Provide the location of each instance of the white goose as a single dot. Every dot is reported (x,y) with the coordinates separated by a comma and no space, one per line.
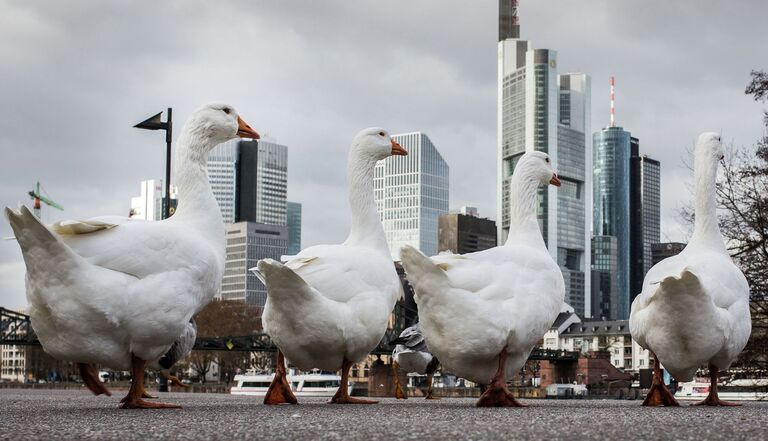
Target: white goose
(328,306)
(506,297)
(118,292)
(694,307)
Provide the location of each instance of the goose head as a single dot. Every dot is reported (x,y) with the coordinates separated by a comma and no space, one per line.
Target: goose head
(709,147)
(537,166)
(214,124)
(376,144)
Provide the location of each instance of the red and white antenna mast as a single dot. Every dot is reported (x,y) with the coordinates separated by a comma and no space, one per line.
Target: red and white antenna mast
(613,103)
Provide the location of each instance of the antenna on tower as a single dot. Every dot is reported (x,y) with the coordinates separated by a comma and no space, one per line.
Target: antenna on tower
(613,102)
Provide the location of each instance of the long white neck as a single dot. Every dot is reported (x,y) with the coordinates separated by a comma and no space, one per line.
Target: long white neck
(706,231)
(197,205)
(523,226)
(366,227)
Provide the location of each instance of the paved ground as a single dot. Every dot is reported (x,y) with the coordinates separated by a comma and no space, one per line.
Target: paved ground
(39,414)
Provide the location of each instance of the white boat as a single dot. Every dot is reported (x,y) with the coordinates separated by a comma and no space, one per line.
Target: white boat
(313,384)
(737,390)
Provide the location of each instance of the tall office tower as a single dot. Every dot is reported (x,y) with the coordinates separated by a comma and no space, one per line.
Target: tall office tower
(645,209)
(604,295)
(272,182)
(150,203)
(574,196)
(247,242)
(531,97)
(293,214)
(611,147)
(250,180)
(411,193)
(611,203)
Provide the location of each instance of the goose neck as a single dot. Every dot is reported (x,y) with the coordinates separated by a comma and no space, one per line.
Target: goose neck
(523,223)
(366,228)
(195,198)
(706,230)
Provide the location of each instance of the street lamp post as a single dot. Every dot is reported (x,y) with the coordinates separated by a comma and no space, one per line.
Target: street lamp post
(155,123)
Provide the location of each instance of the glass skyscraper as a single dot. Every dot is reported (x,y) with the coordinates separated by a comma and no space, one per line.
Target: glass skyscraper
(541,110)
(645,209)
(610,168)
(293,210)
(250,180)
(411,193)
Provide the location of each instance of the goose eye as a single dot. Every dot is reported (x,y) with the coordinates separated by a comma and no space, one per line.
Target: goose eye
(226,110)
(382,134)
(547,159)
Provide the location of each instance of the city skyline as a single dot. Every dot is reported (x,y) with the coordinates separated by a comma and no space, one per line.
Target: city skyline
(93,169)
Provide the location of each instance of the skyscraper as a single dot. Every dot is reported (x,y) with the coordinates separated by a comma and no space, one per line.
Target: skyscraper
(538,109)
(627,207)
(645,209)
(247,242)
(611,205)
(293,210)
(411,193)
(249,180)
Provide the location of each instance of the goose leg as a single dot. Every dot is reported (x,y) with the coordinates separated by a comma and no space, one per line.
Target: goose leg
(173,379)
(712,399)
(429,396)
(658,394)
(134,398)
(497,394)
(279,391)
(399,394)
(342,395)
(91,379)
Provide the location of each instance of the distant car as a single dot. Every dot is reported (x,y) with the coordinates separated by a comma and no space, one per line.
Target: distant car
(186,381)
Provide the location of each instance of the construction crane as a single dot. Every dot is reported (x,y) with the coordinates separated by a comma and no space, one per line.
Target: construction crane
(38,197)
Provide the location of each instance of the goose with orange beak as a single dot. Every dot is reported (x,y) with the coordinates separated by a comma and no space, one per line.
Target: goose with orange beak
(119,292)
(329,306)
(507,296)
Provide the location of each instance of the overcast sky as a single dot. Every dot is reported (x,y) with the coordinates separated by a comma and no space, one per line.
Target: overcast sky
(75,77)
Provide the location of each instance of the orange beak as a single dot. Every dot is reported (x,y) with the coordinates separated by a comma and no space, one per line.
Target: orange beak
(397,149)
(245,131)
(555,181)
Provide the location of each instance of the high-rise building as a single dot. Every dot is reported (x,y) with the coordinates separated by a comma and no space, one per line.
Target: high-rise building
(250,180)
(247,242)
(462,233)
(411,193)
(149,204)
(605,294)
(293,214)
(627,199)
(645,211)
(540,110)
(610,170)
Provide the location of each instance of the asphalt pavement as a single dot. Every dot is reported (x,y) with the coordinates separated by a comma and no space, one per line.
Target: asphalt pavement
(61,414)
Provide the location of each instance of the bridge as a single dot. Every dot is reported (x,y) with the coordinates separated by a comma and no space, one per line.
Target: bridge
(16,329)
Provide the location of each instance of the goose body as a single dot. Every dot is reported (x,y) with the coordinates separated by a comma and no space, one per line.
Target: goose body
(329,305)
(482,313)
(694,307)
(113,290)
